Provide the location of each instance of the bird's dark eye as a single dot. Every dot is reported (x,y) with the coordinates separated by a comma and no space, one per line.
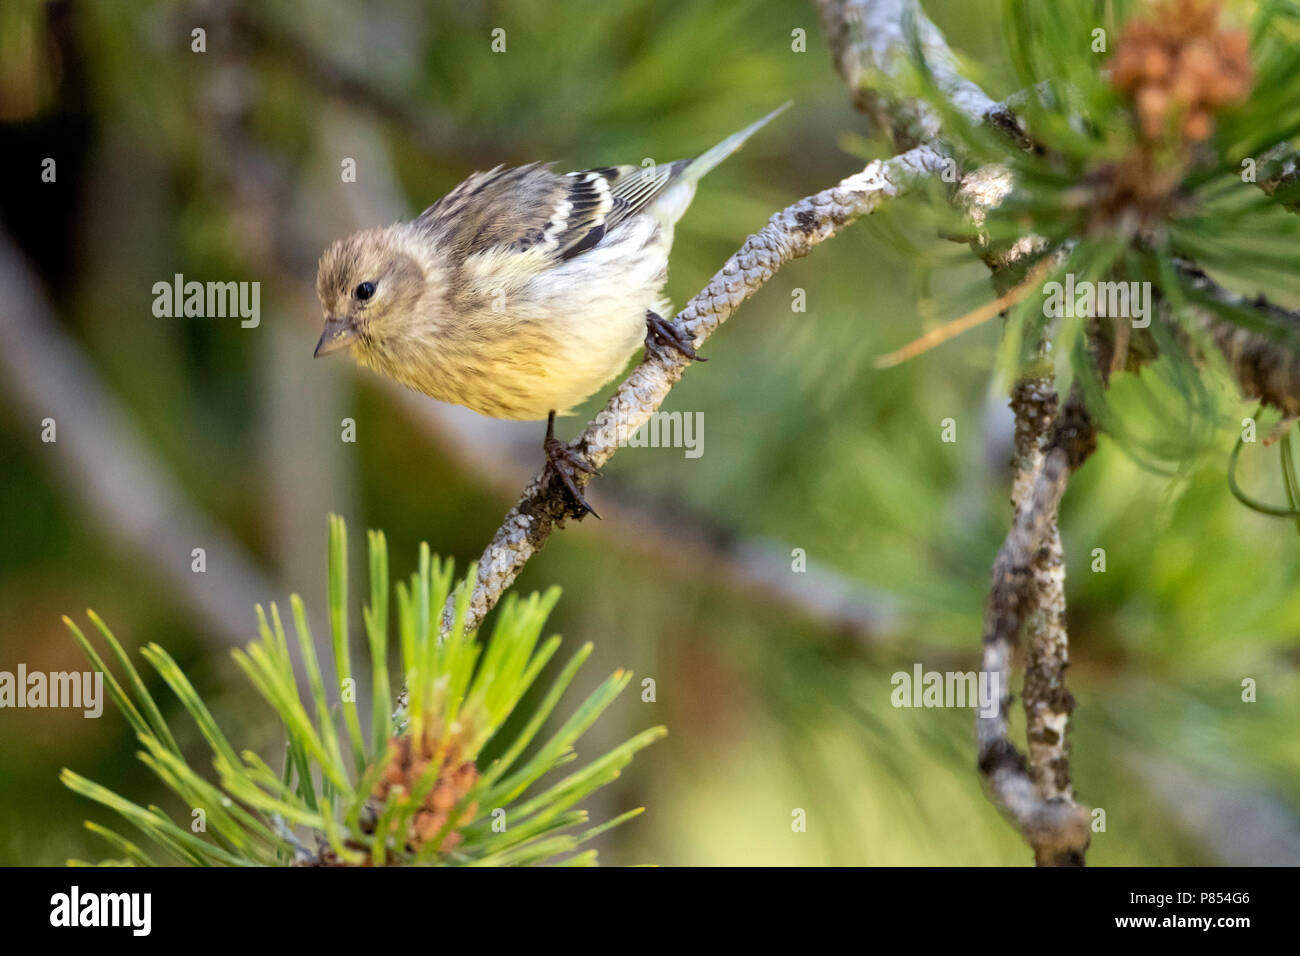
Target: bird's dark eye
(365,291)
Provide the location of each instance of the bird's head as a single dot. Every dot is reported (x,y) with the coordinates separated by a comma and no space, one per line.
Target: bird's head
(372,286)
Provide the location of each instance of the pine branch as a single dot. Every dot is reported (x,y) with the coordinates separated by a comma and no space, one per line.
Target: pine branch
(870,42)
(1028,574)
(1028,592)
(789,234)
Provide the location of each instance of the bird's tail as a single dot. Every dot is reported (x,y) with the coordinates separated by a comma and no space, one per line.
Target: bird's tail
(680,177)
(701,164)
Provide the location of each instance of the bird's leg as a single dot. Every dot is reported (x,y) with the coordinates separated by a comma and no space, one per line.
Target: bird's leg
(564,461)
(661,333)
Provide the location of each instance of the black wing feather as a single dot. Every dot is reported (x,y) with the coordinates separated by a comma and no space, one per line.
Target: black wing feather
(528,206)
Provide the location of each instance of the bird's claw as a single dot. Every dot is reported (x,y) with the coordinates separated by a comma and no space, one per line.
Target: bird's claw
(661,334)
(564,461)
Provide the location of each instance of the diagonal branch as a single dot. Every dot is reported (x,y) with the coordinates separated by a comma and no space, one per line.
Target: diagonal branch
(789,234)
(1028,589)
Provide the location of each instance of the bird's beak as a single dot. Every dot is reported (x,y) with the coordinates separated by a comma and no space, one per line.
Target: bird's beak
(339,334)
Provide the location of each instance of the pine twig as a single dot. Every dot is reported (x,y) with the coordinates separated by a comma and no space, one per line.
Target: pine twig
(972,319)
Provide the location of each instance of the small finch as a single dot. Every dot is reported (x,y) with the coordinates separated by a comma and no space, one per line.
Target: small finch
(522,291)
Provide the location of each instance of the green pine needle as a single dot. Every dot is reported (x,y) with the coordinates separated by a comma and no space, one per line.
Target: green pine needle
(420,798)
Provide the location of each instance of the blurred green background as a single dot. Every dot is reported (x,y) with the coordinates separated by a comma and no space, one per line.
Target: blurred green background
(775,685)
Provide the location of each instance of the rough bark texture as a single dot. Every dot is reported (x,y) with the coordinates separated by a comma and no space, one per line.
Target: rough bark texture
(1047,702)
(1027,592)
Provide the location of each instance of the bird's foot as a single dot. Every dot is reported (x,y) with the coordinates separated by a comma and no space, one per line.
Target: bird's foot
(565,462)
(661,334)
